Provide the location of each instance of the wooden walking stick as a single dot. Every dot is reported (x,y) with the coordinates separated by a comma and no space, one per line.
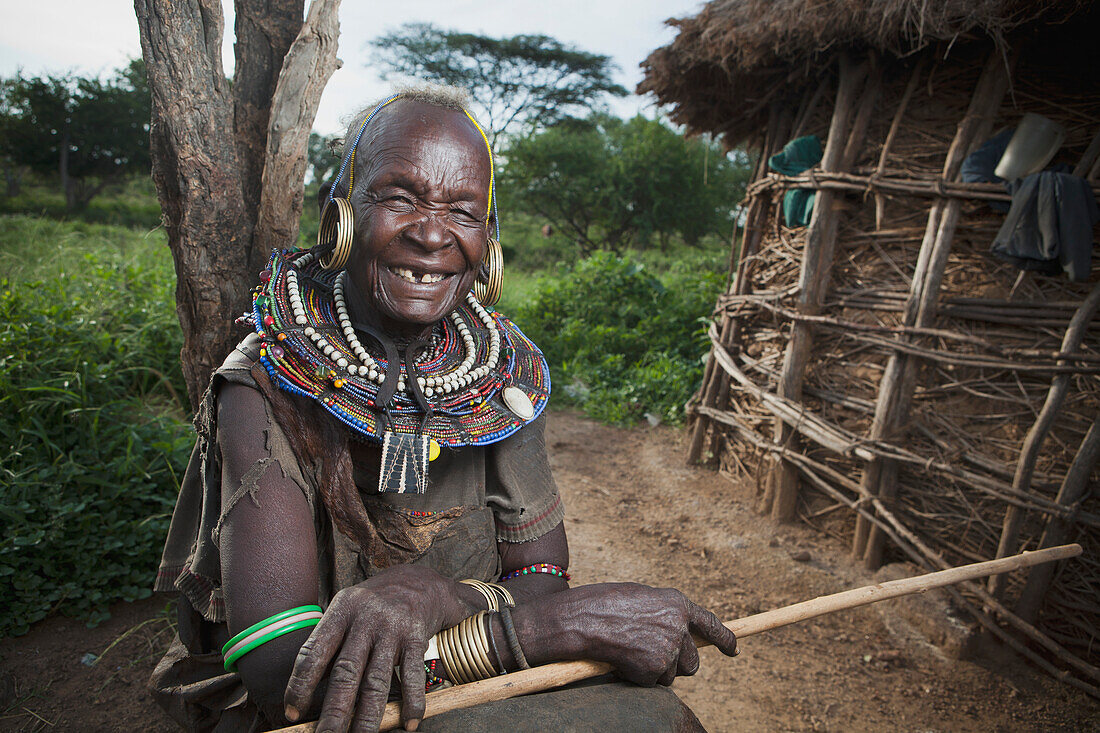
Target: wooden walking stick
(554,675)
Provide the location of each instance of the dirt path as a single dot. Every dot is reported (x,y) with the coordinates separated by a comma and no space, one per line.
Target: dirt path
(636,513)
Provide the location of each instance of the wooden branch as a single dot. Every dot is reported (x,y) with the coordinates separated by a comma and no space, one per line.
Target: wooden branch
(1074,489)
(867,102)
(895,125)
(752,233)
(845,443)
(305,72)
(807,113)
(779,125)
(1033,442)
(899,379)
(1091,156)
(817,262)
(563,673)
(264,30)
(852,330)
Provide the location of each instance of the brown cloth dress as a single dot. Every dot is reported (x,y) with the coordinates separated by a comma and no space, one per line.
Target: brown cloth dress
(476,496)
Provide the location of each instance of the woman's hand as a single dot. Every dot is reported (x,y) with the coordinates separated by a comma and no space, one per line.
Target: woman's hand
(644,632)
(368,629)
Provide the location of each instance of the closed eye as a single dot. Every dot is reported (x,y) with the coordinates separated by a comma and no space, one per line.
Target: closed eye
(465,215)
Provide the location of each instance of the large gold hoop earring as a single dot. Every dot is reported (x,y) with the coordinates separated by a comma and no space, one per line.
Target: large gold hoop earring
(487,289)
(338,225)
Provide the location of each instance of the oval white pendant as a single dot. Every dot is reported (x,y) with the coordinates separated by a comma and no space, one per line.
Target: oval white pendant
(518,402)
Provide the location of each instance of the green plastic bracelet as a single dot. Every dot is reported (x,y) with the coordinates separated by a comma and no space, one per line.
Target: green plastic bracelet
(230,663)
(270,620)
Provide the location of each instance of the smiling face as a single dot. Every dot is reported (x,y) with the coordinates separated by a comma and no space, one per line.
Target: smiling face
(421,208)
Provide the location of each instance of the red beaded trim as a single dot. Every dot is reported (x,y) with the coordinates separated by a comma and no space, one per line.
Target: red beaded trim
(541,567)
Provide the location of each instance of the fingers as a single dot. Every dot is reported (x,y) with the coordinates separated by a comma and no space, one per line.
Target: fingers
(688,662)
(412,686)
(343,685)
(311,664)
(667,676)
(709,627)
(374,689)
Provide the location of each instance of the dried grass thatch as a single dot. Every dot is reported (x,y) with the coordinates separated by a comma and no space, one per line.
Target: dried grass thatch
(748,53)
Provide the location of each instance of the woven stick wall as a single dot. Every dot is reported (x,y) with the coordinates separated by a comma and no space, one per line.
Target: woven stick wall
(878,374)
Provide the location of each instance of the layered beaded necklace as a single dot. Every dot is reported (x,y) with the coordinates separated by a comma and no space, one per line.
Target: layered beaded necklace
(477,381)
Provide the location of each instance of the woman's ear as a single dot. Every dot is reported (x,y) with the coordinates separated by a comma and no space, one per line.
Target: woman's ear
(322,195)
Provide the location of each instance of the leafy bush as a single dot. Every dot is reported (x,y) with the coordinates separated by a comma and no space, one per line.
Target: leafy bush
(130,203)
(607,183)
(91,420)
(621,342)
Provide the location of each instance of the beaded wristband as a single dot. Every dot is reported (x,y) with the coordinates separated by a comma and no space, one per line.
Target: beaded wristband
(264,631)
(541,567)
(513,640)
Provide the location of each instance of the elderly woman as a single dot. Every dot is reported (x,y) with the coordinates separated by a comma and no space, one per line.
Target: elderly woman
(370,489)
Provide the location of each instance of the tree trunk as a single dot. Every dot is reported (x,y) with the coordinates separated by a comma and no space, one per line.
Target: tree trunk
(264,29)
(209,146)
(14,179)
(63,171)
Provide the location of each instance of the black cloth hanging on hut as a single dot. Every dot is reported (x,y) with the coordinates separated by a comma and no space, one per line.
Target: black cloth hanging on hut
(1049,226)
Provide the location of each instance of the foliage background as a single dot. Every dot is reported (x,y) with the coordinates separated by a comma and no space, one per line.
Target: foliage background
(91,420)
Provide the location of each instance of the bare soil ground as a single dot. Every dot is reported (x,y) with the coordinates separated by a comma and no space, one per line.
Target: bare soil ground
(637,513)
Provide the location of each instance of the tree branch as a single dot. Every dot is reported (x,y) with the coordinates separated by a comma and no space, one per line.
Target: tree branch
(309,63)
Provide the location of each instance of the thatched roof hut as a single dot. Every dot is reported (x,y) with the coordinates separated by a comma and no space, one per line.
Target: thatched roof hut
(877,359)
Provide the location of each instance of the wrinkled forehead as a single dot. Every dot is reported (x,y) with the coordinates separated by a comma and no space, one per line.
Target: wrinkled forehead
(430,138)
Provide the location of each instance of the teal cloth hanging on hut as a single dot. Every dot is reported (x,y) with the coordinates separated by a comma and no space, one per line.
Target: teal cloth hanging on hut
(797,156)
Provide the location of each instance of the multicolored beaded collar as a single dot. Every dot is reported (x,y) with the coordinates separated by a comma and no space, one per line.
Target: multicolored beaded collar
(480,377)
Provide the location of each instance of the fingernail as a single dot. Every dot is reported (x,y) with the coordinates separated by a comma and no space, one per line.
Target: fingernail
(412,724)
(291,713)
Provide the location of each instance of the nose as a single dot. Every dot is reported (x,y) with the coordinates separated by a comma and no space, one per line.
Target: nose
(430,233)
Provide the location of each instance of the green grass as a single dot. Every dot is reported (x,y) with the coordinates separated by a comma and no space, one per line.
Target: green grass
(519,287)
(93,426)
(129,204)
(34,248)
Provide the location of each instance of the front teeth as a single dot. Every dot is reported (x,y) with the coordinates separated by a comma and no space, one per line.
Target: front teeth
(408,276)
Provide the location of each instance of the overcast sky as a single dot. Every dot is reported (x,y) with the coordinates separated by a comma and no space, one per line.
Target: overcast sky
(96,36)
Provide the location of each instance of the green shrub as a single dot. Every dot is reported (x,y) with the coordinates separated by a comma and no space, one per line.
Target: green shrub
(91,421)
(131,203)
(622,343)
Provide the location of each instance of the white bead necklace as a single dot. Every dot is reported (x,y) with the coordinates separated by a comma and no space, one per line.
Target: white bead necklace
(461,377)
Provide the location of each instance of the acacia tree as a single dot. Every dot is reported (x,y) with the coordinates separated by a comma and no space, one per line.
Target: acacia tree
(610,184)
(229,158)
(324,156)
(521,81)
(91,133)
